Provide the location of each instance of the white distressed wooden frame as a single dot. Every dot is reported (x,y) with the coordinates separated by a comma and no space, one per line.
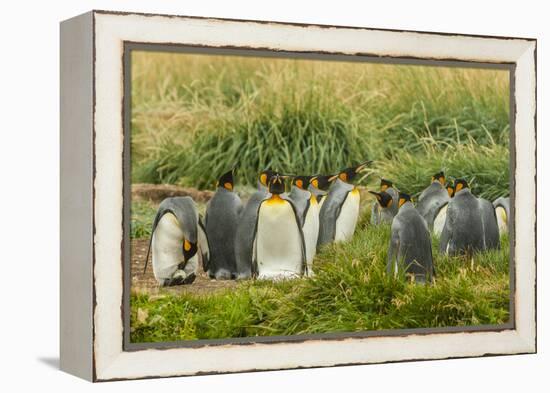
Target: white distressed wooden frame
(92,143)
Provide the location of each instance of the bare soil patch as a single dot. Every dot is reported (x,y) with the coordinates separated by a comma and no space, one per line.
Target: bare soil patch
(157,192)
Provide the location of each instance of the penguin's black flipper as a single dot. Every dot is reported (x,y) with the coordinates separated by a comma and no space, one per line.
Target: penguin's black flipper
(203,245)
(302,239)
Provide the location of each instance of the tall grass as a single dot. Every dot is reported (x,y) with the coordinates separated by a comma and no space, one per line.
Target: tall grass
(350,292)
(195,116)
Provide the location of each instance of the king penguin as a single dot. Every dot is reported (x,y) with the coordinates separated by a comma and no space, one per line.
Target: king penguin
(432,203)
(468,226)
(246,226)
(339,214)
(410,246)
(319,185)
(307,208)
(177,239)
(222,214)
(502,211)
(279,247)
(385,207)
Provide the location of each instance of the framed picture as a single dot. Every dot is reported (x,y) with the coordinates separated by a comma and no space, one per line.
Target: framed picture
(245,195)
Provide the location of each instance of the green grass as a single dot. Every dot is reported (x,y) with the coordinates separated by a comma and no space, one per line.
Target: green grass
(350,292)
(193,117)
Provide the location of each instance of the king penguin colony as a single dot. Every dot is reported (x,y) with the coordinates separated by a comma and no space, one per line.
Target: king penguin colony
(276,235)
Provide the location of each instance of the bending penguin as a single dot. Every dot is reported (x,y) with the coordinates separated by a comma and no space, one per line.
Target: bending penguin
(385,207)
(222,214)
(469,225)
(246,227)
(177,240)
(410,247)
(339,213)
(432,203)
(307,208)
(279,247)
(502,211)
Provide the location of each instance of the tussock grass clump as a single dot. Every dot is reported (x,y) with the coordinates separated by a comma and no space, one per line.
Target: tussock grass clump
(350,292)
(195,116)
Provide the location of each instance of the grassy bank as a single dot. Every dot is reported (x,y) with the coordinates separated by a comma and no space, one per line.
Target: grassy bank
(350,292)
(193,117)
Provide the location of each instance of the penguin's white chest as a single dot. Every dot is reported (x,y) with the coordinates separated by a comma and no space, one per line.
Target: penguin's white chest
(167,247)
(347,220)
(278,241)
(311,232)
(502,220)
(439,221)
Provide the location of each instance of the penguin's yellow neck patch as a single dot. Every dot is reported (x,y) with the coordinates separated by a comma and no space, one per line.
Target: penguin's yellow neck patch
(275,199)
(355,191)
(186,245)
(313,200)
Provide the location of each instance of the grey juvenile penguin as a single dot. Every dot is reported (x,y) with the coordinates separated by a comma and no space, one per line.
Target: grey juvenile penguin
(222,215)
(177,240)
(340,211)
(468,226)
(433,201)
(246,227)
(410,244)
(502,211)
(384,209)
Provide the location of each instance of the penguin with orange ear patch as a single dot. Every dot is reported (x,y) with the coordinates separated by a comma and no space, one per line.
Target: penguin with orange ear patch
(339,214)
(319,185)
(222,215)
(246,227)
(279,247)
(177,241)
(432,203)
(410,248)
(385,207)
(307,208)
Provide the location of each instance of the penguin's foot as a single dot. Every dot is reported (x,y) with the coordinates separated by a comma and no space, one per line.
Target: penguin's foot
(180,278)
(224,274)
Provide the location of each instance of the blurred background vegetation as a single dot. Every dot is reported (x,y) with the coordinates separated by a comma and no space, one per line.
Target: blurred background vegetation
(194,116)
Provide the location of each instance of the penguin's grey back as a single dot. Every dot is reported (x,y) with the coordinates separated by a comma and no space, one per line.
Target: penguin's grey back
(222,214)
(431,200)
(331,210)
(463,229)
(490,225)
(185,210)
(410,245)
(246,232)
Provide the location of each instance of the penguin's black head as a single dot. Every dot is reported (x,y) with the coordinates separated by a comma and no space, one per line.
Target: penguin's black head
(385,184)
(226,181)
(322,182)
(265,176)
(450,189)
(189,250)
(302,182)
(440,177)
(404,198)
(276,185)
(384,199)
(459,185)
(347,175)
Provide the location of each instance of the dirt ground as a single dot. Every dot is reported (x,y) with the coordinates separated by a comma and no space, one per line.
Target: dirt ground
(146,283)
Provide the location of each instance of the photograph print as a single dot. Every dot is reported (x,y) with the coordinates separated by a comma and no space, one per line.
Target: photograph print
(291,196)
